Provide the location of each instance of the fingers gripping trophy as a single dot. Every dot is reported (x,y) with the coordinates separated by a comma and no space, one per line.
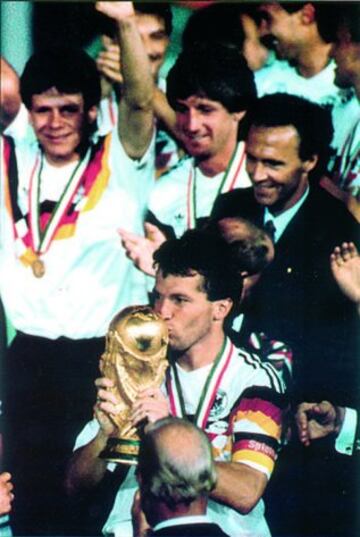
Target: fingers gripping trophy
(134,359)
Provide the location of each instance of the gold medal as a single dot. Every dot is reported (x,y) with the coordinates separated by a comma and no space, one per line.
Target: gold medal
(38,268)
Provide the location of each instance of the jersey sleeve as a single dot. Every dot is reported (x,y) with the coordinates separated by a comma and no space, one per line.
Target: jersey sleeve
(257,424)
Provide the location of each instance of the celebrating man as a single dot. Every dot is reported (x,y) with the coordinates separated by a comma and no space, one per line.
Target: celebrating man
(230,394)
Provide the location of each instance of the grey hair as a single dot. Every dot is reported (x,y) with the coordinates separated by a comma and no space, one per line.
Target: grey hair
(175,462)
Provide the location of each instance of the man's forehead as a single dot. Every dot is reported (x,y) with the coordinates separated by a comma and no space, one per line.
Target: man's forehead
(274,133)
(176,282)
(53,95)
(152,21)
(198,99)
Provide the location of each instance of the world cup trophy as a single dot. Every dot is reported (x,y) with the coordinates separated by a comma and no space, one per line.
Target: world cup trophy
(134,359)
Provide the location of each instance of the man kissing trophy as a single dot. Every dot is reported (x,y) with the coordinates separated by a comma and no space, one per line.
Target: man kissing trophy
(134,359)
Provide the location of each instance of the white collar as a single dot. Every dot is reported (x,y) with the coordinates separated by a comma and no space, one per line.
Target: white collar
(179,521)
(282,220)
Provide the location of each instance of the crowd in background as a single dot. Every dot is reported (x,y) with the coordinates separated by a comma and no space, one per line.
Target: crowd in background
(225,194)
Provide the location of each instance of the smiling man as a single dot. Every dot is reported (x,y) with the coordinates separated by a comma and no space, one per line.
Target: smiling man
(302,33)
(210,90)
(287,151)
(296,299)
(63,272)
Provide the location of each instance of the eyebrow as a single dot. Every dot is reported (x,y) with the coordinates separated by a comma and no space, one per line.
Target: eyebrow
(265,160)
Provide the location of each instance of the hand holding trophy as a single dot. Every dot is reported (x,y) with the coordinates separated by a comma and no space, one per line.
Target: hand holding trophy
(135,360)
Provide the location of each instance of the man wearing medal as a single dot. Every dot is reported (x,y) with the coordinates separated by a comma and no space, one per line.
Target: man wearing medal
(210,89)
(64,274)
(230,394)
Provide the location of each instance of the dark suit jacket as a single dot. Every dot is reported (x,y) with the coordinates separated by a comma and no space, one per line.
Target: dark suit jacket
(297,299)
(192,530)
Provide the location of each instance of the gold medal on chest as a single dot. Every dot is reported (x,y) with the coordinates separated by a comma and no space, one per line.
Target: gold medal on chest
(38,268)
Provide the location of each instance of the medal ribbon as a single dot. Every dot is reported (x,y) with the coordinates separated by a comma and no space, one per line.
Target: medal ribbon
(228,183)
(41,240)
(208,393)
(92,173)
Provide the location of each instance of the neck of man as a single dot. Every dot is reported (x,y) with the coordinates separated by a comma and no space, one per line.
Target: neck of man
(161,512)
(202,353)
(212,165)
(313,59)
(60,162)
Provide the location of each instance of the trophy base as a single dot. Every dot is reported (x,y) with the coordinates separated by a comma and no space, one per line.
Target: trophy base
(121,451)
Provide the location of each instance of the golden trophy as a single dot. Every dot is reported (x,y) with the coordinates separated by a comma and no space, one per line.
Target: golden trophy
(134,359)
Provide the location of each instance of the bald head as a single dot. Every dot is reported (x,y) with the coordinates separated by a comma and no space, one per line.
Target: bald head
(175,463)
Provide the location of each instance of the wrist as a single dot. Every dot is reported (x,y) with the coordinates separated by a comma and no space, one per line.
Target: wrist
(339,419)
(102,439)
(126,22)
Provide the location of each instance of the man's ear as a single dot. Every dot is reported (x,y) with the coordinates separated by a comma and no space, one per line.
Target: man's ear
(238,116)
(92,114)
(308,13)
(310,163)
(222,308)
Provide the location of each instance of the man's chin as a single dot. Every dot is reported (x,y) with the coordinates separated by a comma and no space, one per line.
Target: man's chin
(263,199)
(196,149)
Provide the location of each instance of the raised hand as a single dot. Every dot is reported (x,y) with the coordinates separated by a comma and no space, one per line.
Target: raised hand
(317,420)
(116,10)
(345,266)
(108,60)
(6,495)
(141,249)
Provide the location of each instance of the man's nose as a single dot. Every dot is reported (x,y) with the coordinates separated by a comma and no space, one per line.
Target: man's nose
(163,308)
(257,172)
(192,120)
(55,119)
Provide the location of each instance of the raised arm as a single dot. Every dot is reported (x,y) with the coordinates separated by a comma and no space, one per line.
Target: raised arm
(109,65)
(10,99)
(165,113)
(136,116)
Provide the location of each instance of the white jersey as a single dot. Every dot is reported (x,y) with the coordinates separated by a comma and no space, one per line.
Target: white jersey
(184,194)
(241,415)
(88,277)
(345,166)
(281,77)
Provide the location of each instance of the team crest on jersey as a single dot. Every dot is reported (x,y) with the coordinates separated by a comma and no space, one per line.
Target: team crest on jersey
(219,404)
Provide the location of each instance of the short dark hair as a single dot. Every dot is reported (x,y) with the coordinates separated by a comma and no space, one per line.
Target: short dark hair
(311,121)
(69,70)
(349,20)
(217,23)
(159,9)
(217,72)
(207,254)
(325,16)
